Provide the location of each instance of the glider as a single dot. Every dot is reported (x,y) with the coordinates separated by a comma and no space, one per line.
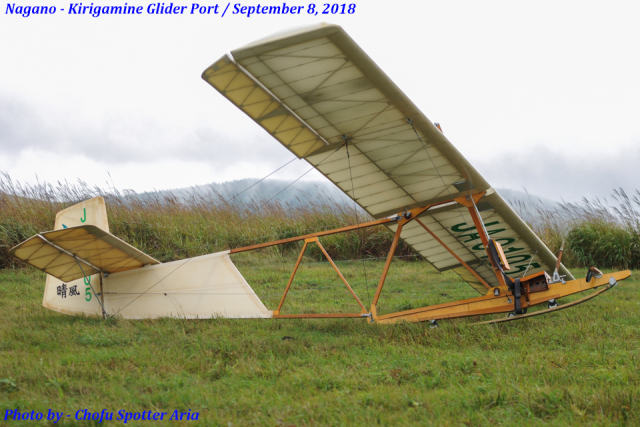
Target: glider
(319,94)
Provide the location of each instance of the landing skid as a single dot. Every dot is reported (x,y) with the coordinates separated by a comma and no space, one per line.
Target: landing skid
(493,304)
(549,310)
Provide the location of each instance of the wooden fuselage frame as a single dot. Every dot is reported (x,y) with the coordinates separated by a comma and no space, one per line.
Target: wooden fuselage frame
(498,299)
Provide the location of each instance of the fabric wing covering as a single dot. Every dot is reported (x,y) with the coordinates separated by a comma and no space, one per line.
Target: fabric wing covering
(94,249)
(315,90)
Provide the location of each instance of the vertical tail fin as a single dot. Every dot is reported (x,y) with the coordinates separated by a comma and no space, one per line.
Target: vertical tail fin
(76,297)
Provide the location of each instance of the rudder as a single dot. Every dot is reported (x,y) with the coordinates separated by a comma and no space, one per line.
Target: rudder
(76,297)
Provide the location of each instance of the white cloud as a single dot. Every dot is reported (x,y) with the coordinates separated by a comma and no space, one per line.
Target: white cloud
(518,88)
(555,175)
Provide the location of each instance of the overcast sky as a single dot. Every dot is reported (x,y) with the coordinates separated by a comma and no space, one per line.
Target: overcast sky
(540,95)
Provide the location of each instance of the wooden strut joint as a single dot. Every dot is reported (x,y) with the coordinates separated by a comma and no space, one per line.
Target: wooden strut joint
(471,270)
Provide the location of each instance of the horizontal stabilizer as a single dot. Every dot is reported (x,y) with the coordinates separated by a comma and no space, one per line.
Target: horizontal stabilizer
(76,252)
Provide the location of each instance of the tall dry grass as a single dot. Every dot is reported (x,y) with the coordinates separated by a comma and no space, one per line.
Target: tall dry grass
(596,233)
(169,228)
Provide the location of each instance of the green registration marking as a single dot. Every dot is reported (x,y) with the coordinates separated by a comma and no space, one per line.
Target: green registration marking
(87,290)
(85,216)
(459,227)
(520,259)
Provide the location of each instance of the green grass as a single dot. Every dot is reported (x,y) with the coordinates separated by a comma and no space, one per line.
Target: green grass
(318,289)
(576,367)
(602,243)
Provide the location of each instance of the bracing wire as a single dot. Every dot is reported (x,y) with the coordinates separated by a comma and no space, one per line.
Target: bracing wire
(256,239)
(353,195)
(152,286)
(279,192)
(424,291)
(300,177)
(90,285)
(529,265)
(246,189)
(256,211)
(258,182)
(294,181)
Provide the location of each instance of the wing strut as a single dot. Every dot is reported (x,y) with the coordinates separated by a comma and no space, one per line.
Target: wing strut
(471,270)
(489,244)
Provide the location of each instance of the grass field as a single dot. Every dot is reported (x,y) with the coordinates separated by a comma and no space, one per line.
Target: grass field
(576,367)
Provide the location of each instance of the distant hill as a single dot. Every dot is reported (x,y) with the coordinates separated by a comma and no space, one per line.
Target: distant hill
(249,189)
(515,197)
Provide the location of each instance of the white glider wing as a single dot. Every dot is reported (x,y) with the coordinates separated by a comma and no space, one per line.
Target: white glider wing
(319,94)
